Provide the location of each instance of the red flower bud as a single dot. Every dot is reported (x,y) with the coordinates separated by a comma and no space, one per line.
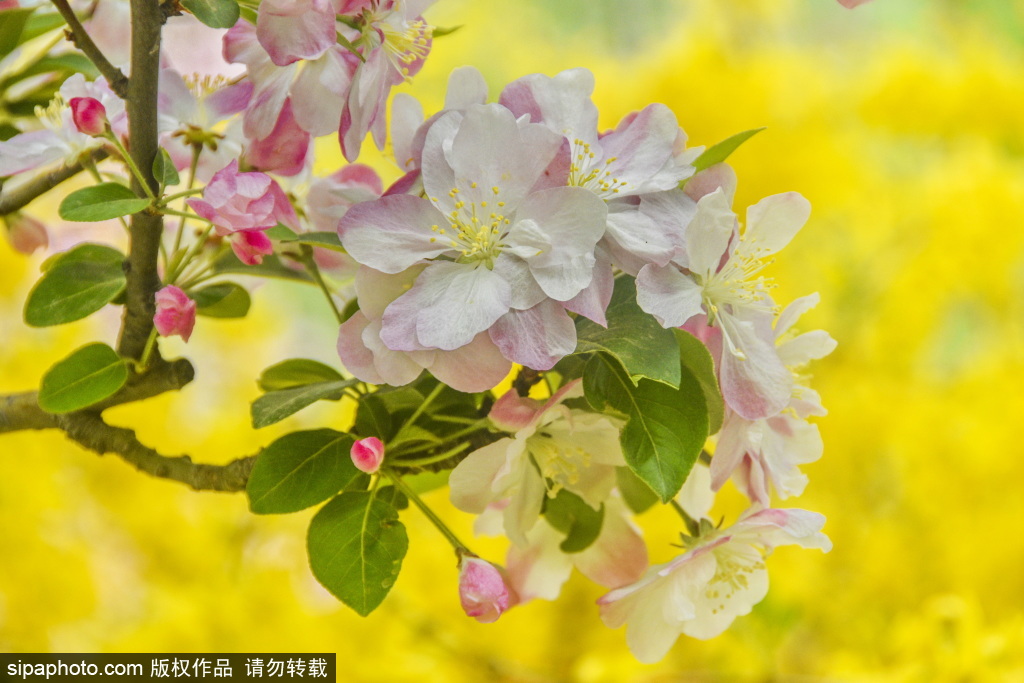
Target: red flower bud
(89,115)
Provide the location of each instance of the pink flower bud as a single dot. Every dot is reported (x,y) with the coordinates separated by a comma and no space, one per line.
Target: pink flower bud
(89,115)
(175,313)
(250,246)
(26,234)
(482,589)
(367,454)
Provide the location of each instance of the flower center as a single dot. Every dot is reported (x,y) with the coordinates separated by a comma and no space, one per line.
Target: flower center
(559,461)
(731,575)
(52,115)
(586,172)
(402,44)
(475,229)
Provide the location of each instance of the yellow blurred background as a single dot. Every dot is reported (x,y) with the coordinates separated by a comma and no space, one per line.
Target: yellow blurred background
(901,121)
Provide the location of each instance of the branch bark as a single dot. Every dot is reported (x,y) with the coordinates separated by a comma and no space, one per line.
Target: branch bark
(89,430)
(16,199)
(117,80)
(146,229)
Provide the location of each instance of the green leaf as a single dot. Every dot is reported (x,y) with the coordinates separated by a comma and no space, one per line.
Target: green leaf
(327,240)
(356,546)
(424,482)
(716,154)
(300,470)
(414,434)
(374,419)
(38,24)
(12,22)
(248,13)
(697,360)
(100,202)
(222,300)
(164,170)
(277,405)
(69,63)
(271,267)
(86,253)
(644,347)
(281,232)
(75,285)
(213,13)
(570,514)
(87,376)
(296,372)
(666,427)
(638,495)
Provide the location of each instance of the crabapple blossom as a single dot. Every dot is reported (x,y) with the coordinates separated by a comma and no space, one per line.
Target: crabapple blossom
(511,251)
(714,275)
(482,590)
(175,313)
(394,41)
(477,366)
(764,454)
(368,454)
(721,577)
(243,205)
(59,139)
(538,570)
(552,447)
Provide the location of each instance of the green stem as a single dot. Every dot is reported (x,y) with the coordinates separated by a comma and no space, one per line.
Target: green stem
(131,165)
(174,212)
(148,350)
(196,248)
(178,195)
(196,151)
(430,460)
(691,524)
(452,437)
(314,271)
(434,519)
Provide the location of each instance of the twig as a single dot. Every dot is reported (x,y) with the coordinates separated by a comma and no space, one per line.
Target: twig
(117,80)
(89,430)
(16,199)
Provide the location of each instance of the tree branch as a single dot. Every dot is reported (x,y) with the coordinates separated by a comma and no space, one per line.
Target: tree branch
(89,430)
(117,80)
(16,199)
(21,411)
(146,229)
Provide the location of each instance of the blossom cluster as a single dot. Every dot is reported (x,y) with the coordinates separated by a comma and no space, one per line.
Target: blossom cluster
(511,227)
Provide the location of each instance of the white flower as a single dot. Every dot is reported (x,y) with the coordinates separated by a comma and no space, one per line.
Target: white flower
(701,592)
(553,447)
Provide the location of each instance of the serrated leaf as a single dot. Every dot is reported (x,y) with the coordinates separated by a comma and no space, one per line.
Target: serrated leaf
(716,154)
(666,427)
(697,359)
(277,405)
(300,470)
(76,285)
(635,338)
(571,515)
(327,240)
(100,202)
(87,376)
(271,267)
(213,13)
(296,372)
(12,23)
(164,170)
(356,546)
(222,300)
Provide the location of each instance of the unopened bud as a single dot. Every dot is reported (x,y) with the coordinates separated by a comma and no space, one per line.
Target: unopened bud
(89,115)
(26,234)
(367,454)
(175,313)
(482,589)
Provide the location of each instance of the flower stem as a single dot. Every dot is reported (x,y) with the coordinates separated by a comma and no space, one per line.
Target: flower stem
(430,460)
(314,271)
(148,350)
(131,165)
(691,524)
(459,546)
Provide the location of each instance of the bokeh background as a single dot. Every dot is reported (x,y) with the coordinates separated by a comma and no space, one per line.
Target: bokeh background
(901,121)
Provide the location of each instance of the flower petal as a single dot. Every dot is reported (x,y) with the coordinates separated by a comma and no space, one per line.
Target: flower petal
(538,337)
(392,233)
(667,294)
